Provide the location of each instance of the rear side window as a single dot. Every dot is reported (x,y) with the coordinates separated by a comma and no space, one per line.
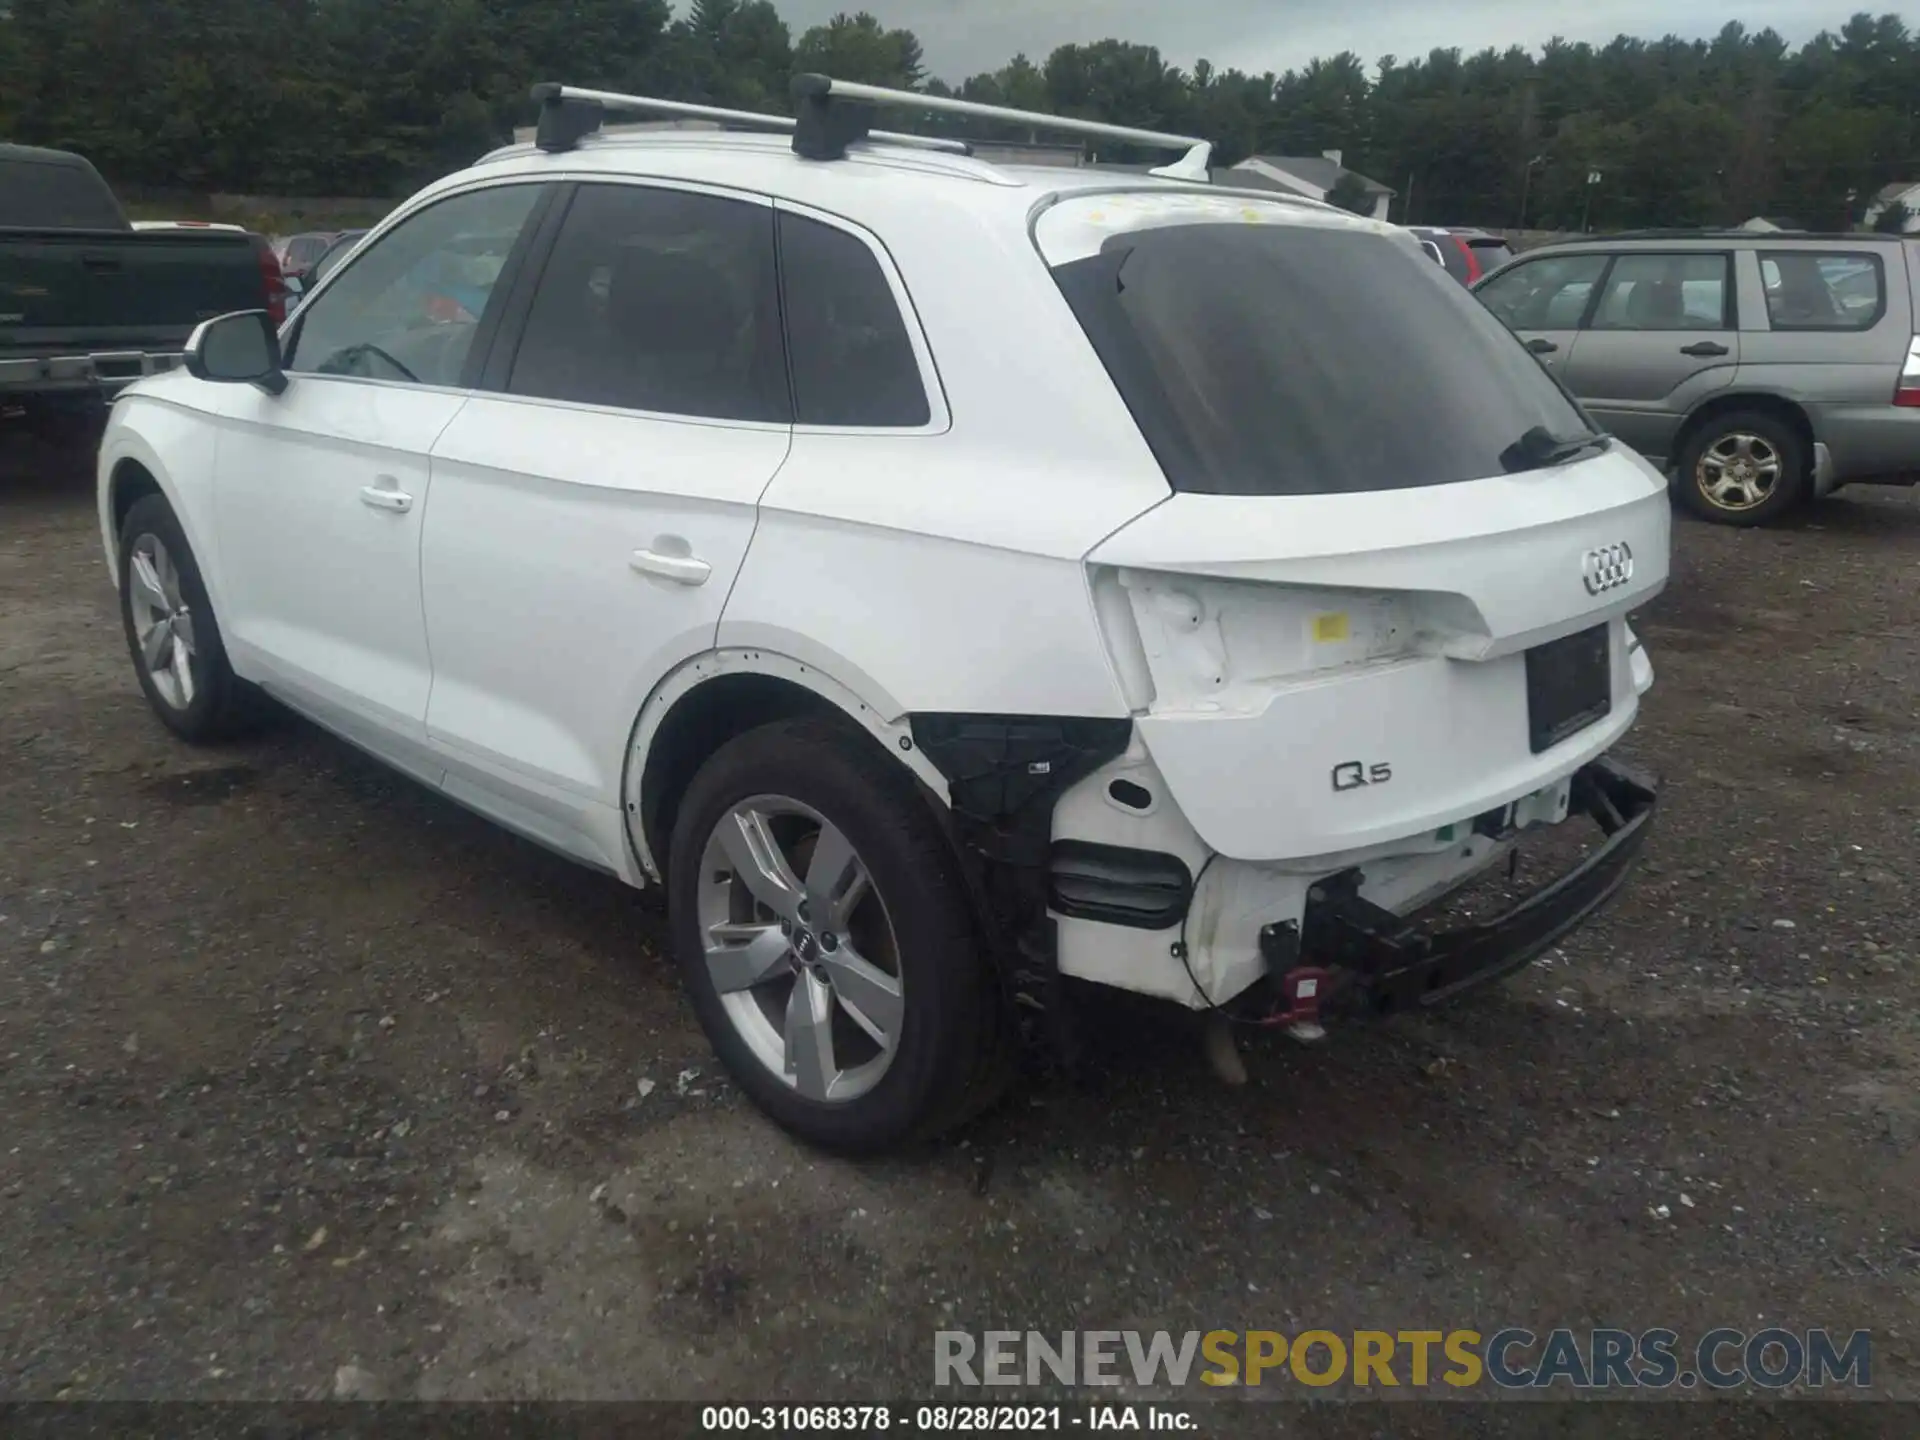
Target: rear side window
(659,300)
(1546,294)
(1291,359)
(853,364)
(60,193)
(1491,251)
(1666,292)
(1811,291)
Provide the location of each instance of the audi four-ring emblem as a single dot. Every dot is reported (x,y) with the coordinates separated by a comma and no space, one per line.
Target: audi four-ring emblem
(1607,568)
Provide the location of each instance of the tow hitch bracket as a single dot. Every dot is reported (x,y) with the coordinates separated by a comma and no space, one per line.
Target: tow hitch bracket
(1394,963)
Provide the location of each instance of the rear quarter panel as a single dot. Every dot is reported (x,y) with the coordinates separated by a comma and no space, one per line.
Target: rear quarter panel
(943,571)
(1844,380)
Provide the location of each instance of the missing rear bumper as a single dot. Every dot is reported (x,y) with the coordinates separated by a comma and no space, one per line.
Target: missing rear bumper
(1389,963)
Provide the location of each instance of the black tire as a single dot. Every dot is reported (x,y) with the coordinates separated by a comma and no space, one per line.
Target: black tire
(1787,491)
(221,706)
(953,1056)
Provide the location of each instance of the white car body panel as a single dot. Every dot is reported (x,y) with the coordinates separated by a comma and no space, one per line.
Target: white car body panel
(323,583)
(545,637)
(1382,628)
(1021,554)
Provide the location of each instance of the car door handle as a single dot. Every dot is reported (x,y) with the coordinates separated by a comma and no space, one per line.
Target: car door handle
(385,497)
(1542,347)
(681,569)
(1704,347)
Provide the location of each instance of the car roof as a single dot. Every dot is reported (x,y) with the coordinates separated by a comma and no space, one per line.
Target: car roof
(1718,239)
(765,164)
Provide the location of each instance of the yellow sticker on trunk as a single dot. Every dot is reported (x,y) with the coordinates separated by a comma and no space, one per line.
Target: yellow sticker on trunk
(1332,628)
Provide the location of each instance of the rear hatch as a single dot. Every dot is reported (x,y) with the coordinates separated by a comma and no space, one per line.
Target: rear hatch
(80,291)
(1388,592)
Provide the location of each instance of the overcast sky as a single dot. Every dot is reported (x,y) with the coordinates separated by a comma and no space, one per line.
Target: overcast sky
(963,37)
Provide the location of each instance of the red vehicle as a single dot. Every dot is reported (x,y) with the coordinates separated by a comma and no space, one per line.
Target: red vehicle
(1465,254)
(298,252)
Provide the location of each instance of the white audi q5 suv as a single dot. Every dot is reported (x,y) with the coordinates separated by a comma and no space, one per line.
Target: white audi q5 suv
(945,579)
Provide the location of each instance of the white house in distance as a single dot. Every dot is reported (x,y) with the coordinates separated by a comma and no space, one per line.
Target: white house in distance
(1309,175)
(1901,192)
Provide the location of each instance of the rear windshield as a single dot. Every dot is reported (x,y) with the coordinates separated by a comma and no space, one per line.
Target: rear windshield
(56,195)
(1491,251)
(1296,359)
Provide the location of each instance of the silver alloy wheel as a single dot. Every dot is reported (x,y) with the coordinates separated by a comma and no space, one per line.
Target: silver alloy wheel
(1738,471)
(162,621)
(801,949)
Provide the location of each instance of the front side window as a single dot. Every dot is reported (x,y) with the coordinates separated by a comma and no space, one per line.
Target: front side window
(1546,294)
(1665,292)
(1297,359)
(306,250)
(659,300)
(852,361)
(1811,291)
(406,308)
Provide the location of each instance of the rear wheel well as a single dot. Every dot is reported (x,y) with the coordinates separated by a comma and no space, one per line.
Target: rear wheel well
(704,719)
(132,482)
(1780,409)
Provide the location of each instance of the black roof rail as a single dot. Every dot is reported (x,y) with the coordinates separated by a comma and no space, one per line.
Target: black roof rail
(833,114)
(1725,232)
(569,114)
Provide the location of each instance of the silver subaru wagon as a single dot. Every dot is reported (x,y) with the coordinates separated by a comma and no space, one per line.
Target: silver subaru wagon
(1761,369)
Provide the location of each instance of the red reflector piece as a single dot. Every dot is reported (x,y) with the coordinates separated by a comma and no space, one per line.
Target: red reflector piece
(1473,260)
(1906,390)
(271,277)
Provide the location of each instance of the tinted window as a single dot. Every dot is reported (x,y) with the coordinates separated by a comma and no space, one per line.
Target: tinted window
(1492,253)
(1546,294)
(61,192)
(331,257)
(406,308)
(1295,360)
(852,361)
(1665,292)
(659,300)
(1809,291)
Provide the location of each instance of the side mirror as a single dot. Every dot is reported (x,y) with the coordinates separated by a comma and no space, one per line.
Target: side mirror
(295,285)
(238,349)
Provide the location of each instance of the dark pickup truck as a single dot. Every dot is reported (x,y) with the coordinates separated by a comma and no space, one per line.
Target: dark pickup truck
(88,303)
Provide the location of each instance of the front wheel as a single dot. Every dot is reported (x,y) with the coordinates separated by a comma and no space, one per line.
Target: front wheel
(1743,468)
(822,928)
(172,634)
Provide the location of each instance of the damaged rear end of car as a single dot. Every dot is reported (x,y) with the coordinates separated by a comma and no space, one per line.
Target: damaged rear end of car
(1376,637)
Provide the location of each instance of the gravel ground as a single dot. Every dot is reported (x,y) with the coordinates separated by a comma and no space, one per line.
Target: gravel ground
(303,1068)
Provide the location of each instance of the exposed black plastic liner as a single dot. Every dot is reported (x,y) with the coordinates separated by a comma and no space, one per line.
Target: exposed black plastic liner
(1005,774)
(1118,885)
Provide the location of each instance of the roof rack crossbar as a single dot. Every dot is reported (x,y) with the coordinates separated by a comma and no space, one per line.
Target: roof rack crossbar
(834,113)
(568,113)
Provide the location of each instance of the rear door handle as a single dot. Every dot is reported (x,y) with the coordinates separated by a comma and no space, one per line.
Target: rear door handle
(1542,347)
(1704,347)
(386,495)
(681,569)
